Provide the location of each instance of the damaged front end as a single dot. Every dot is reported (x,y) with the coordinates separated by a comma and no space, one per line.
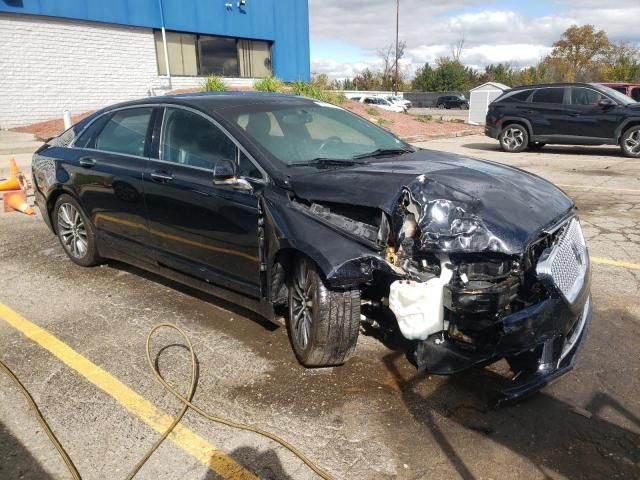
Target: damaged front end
(462,295)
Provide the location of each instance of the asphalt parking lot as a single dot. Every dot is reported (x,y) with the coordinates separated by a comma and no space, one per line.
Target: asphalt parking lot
(374,418)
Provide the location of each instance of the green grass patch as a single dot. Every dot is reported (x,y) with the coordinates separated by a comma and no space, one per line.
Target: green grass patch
(213,83)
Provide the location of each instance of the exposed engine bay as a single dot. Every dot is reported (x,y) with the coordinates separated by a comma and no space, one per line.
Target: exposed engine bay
(451,286)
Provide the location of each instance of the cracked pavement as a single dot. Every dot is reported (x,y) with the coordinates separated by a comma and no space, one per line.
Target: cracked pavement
(374,418)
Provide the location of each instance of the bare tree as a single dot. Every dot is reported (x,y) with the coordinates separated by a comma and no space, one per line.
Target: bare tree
(457,48)
(388,57)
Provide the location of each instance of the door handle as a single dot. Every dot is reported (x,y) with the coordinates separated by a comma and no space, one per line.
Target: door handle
(162,177)
(87,162)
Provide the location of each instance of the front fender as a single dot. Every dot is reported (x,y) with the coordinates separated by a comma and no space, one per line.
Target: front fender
(343,261)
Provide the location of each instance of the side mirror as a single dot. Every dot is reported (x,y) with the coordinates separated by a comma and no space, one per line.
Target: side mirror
(224,173)
(607,103)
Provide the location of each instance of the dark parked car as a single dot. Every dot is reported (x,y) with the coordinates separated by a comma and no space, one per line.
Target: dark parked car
(453,101)
(570,114)
(282,202)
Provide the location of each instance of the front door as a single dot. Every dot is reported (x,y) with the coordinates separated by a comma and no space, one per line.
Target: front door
(110,160)
(204,230)
(589,119)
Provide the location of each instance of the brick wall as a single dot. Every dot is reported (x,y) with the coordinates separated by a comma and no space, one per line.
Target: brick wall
(48,65)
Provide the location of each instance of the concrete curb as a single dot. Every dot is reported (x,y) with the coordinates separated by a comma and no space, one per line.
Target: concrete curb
(439,136)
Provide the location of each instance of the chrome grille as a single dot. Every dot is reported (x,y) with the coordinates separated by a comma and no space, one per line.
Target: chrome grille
(566,263)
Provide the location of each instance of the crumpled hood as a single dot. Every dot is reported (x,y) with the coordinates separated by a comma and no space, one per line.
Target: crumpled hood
(509,206)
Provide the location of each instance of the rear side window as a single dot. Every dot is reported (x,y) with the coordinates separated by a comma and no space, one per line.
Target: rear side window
(635,94)
(125,132)
(548,95)
(190,139)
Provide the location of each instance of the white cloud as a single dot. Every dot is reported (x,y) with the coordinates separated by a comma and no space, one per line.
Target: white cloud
(491,36)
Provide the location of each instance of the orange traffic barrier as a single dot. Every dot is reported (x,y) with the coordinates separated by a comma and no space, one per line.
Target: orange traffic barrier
(10,184)
(14,169)
(17,200)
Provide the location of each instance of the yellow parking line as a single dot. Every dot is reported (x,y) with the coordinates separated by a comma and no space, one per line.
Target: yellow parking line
(615,263)
(598,188)
(184,438)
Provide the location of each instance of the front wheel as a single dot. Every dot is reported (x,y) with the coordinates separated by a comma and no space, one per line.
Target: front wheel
(514,138)
(323,324)
(75,232)
(630,142)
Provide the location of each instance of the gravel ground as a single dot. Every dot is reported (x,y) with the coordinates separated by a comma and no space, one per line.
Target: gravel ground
(373,418)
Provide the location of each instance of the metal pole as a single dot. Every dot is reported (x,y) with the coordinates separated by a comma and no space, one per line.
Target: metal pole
(164,43)
(397,43)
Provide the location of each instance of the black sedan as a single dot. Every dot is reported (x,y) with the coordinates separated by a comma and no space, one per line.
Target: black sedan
(282,202)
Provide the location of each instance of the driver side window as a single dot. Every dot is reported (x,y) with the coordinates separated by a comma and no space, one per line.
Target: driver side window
(192,140)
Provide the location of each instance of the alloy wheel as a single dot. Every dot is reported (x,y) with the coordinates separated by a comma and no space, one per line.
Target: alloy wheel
(303,297)
(513,138)
(72,231)
(632,143)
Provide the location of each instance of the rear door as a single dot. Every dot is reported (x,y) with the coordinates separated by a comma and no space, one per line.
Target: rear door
(547,112)
(588,119)
(207,231)
(110,161)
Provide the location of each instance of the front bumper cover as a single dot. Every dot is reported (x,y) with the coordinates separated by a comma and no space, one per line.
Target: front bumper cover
(550,328)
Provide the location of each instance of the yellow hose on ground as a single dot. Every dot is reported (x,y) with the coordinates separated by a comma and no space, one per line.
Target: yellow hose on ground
(186,401)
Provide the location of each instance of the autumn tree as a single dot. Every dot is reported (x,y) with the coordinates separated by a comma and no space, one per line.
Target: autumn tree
(578,51)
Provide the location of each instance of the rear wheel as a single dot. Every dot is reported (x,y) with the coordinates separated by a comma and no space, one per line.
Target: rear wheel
(441,106)
(75,232)
(323,324)
(630,142)
(514,138)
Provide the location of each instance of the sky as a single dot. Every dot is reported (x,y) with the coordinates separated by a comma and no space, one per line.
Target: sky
(347,34)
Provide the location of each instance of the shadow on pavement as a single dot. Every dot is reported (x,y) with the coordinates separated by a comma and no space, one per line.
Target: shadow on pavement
(266,465)
(544,430)
(552,149)
(16,461)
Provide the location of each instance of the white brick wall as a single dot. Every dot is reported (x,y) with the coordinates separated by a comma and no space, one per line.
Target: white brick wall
(48,65)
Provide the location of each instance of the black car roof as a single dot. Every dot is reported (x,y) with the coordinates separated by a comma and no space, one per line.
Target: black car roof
(212,101)
(564,84)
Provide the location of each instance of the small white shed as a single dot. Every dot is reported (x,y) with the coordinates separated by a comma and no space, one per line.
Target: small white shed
(480,98)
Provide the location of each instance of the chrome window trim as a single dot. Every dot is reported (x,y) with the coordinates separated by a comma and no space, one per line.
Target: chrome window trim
(164,106)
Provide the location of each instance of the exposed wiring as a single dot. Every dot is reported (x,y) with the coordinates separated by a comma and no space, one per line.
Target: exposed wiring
(187,404)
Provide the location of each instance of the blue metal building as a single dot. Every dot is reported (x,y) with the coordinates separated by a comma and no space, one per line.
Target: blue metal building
(282,24)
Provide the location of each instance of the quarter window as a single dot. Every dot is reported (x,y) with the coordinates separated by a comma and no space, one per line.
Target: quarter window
(584,96)
(548,95)
(190,139)
(520,96)
(125,132)
(246,168)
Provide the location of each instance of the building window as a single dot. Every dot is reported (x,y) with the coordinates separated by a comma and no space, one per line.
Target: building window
(191,55)
(218,56)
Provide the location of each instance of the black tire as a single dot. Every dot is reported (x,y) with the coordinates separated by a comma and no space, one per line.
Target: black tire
(514,138)
(441,106)
(323,332)
(536,145)
(630,142)
(75,232)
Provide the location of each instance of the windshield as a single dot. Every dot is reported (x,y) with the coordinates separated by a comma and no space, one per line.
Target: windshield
(616,95)
(302,134)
